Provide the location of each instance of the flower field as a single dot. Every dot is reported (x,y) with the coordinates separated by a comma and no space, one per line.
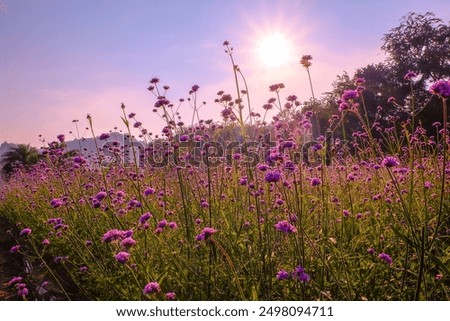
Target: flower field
(248,208)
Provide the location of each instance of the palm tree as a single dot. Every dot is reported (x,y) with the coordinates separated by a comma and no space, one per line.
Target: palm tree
(20,156)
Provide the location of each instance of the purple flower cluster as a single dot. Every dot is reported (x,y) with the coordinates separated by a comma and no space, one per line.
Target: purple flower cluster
(441,88)
(26,231)
(122,257)
(390,161)
(20,287)
(114,235)
(149,191)
(79,160)
(285,227)
(349,95)
(283,275)
(205,234)
(104,136)
(385,257)
(315,181)
(273,176)
(145,217)
(298,273)
(128,242)
(152,287)
(14,248)
(56,202)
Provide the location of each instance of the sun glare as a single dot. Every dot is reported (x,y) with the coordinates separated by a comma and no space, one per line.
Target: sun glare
(274,50)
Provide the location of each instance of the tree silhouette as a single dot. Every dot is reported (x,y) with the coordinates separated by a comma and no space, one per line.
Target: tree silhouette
(22,156)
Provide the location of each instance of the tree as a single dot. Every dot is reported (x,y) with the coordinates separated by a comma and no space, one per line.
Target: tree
(21,156)
(421,43)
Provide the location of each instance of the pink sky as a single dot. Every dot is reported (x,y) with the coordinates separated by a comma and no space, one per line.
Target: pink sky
(60,60)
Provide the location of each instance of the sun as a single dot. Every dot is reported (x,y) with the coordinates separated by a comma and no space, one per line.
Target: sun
(274,49)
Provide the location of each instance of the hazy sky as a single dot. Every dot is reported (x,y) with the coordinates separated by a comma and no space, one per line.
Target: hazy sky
(61,59)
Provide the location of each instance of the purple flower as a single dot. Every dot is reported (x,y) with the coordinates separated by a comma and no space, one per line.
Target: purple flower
(343,106)
(285,227)
(370,250)
(22,291)
(262,167)
(83,269)
(61,259)
(149,191)
(145,217)
(152,287)
(291,98)
(349,94)
(112,235)
(173,225)
(243,181)
(128,242)
(315,181)
(122,257)
(162,224)
(25,232)
(385,257)
(206,233)
(127,233)
(276,87)
(104,136)
(391,99)
(100,196)
(15,280)
(299,272)
(390,161)
(14,248)
(288,144)
(159,103)
(56,202)
(184,138)
(441,88)
(305,61)
(273,176)
(61,138)
(45,242)
(226,112)
(79,160)
(283,275)
(171,296)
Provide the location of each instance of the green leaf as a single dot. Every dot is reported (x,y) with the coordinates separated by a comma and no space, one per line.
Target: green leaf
(403,237)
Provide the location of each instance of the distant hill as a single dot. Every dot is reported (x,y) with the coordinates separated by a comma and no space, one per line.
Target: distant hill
(85,145)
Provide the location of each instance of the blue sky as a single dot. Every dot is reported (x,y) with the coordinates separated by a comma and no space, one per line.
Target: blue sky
(61,59)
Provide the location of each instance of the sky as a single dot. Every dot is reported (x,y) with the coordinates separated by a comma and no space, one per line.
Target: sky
(61,60)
